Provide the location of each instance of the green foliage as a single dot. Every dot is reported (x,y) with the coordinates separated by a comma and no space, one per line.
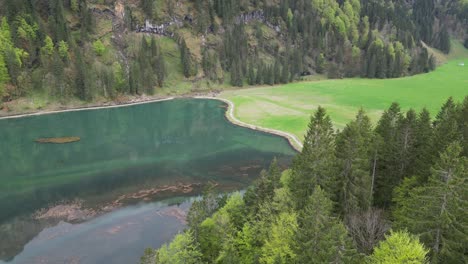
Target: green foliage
(320,231)
(148,7)
(48,48)
(278,247)
(63,49)
(182,250)
(388,173)
(399,247)
(354,154)
(315,164)
(119,76)
(446,125)
(435,210)
(74,5)
(26,31)
(99,47)
(186,59)
(290,218)
(4,77)
(463,125)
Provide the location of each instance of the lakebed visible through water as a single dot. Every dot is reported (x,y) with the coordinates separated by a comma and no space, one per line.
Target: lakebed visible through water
(125,185)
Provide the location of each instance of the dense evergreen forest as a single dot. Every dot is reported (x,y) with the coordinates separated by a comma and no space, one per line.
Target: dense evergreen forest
(396,193)
(105,48)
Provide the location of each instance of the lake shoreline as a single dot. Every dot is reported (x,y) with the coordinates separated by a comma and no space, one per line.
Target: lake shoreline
(293,141)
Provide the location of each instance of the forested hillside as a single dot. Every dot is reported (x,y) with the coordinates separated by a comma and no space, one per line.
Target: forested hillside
(396,193)
(90,49)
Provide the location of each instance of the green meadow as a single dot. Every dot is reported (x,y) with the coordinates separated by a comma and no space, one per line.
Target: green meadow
(288,107)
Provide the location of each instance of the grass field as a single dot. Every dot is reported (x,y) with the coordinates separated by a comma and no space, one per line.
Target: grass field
(288,107)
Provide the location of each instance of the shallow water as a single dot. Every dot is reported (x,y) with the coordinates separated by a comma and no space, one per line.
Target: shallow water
(172,148)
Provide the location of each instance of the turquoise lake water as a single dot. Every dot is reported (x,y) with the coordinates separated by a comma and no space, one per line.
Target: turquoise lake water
(122,151)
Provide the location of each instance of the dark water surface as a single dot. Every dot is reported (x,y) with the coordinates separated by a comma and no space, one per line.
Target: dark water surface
(158,146)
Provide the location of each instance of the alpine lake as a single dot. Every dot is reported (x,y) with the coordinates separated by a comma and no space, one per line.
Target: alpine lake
(125,180)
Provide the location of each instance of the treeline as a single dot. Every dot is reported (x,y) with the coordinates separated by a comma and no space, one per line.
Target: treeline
(60,47)
(41,50)
(371,38)
(396,193)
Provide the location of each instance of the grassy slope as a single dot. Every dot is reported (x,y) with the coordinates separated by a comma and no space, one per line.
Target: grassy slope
(288,107)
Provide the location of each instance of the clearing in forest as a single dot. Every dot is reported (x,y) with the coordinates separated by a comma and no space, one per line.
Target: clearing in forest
(288,107)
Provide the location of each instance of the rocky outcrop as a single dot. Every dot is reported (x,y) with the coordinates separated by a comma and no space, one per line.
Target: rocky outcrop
(162,29)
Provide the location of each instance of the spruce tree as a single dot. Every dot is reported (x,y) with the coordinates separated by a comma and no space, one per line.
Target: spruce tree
(161,71)
(80,84)
(285,69)
(406,144)
(387,174)
(260,74)
(437,210)
(423,152)
(446,127)
(353,151)
(251,78)
(320,237)
(186,59)
(276,72)
(315,164)
(463,124)
(444,40)
(4,77)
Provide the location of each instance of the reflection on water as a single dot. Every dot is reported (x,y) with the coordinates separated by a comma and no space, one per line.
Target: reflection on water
(125,155)
(117,237)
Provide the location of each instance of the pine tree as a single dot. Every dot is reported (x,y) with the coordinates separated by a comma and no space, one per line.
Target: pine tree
(353,152)
(437,210)
(320,237)
(315,164)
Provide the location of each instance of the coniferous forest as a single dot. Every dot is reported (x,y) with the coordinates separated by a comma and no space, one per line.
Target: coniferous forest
(393,193)
(90,49)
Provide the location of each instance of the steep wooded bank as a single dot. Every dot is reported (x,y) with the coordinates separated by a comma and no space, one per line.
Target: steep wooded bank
(343,195)
(105,48)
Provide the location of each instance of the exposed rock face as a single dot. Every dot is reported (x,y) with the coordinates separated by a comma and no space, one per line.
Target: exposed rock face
(259,16)
(162,29)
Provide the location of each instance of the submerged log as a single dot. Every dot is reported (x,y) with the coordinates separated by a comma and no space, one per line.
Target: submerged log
(58,140)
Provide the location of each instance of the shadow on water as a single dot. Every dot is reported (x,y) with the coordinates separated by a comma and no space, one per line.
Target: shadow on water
(142,153)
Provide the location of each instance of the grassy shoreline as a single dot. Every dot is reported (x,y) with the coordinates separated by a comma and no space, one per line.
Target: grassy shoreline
(288,107)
